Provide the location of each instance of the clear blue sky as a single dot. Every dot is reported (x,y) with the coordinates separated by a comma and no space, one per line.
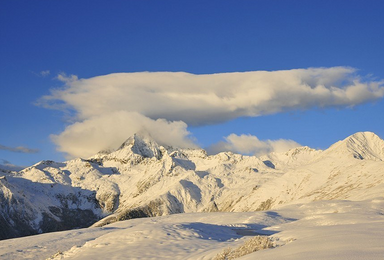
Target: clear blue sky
(92,38)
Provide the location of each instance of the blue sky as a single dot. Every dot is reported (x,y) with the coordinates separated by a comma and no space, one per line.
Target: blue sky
(41,39)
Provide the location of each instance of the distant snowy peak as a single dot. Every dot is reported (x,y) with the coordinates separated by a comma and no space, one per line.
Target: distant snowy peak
(292,158)
(302,153)
(134,148)
(362,145)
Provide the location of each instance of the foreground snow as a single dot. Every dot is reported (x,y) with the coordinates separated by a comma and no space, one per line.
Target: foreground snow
(316,230)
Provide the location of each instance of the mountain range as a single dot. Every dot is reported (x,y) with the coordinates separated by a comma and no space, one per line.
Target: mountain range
(144,179)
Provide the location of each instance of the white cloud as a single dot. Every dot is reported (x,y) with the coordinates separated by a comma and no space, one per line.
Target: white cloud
(67,79)
(250,144)
(108,131)
(196,99)
(213,98)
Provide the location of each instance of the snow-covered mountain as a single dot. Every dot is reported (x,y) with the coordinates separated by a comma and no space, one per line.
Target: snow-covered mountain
(142,178)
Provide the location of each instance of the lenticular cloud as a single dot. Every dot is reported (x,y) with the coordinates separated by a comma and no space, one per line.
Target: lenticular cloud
(200,99)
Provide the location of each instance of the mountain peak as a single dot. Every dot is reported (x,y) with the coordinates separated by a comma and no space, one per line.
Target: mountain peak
(362,145)
(365,135)
(142,144)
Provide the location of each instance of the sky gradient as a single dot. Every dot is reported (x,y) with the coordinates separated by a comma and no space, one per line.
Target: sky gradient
(40,40)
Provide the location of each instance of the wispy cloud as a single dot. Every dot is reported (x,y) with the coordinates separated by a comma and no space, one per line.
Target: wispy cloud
(18,149)
(132,100)
(250,144)
(45,73)
(41,74)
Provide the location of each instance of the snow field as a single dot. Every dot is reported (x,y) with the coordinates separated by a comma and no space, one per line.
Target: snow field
(317,230)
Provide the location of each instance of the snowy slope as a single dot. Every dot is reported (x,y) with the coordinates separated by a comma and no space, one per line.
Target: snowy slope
(316,230)
(142,178)
(43,203)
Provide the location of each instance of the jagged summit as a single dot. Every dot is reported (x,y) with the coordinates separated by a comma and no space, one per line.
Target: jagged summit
(139,145)
(143,145)
(361,145)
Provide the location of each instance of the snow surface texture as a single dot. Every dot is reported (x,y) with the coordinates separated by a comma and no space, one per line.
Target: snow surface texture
(344,230)
(144,179)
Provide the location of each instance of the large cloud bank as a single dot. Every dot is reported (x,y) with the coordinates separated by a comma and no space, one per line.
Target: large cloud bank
(110,108)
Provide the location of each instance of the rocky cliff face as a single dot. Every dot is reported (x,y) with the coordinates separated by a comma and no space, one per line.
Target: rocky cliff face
(142,179)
